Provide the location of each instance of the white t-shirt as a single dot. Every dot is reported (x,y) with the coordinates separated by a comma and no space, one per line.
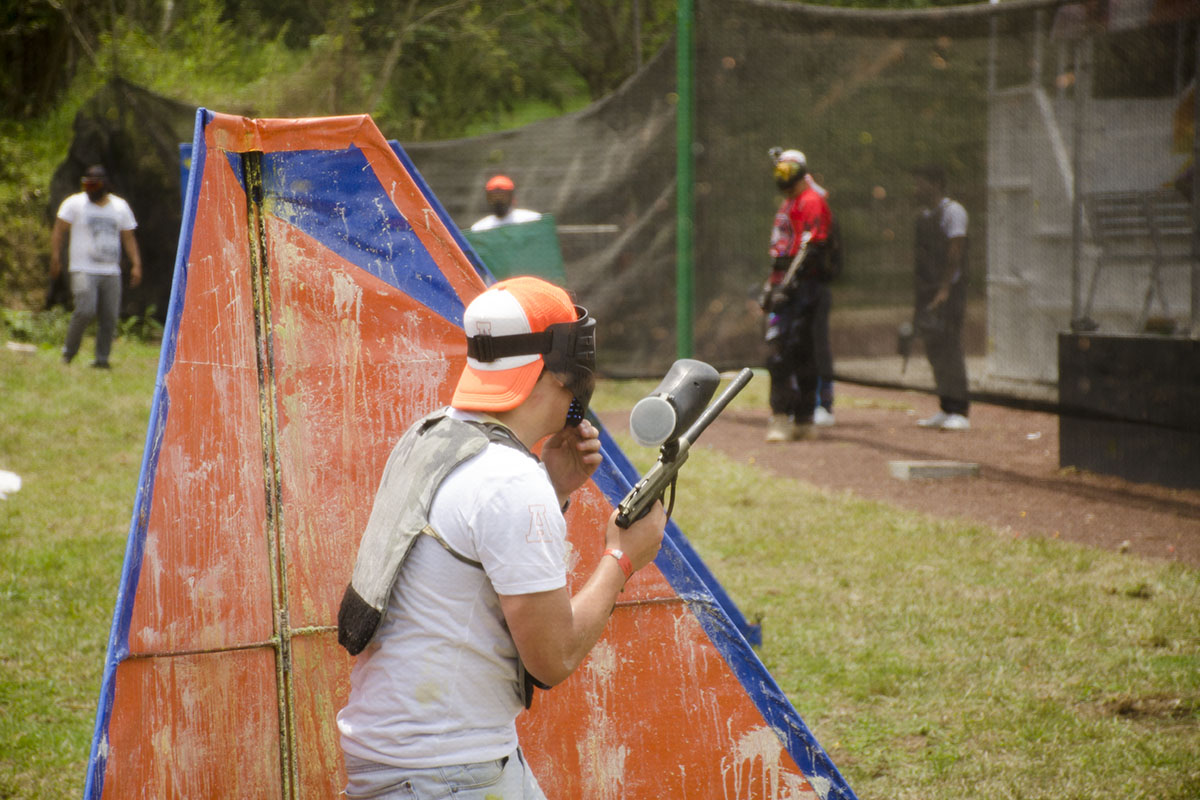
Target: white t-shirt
(95,241)
(513,217)
(954,218)
(438,683)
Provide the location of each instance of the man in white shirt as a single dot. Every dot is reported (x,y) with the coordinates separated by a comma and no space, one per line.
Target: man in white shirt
(941,295)
(479,599)
(499,191)
(97,225)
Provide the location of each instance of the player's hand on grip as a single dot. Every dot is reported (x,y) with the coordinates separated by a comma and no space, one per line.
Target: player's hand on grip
(642,539)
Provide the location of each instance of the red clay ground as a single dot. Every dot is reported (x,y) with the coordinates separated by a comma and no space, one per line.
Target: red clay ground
(1020,490)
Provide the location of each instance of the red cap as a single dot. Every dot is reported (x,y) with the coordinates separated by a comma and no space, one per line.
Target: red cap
(517,305)
(499,183)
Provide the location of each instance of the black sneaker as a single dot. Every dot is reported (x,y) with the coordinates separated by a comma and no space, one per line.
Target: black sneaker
(100,365)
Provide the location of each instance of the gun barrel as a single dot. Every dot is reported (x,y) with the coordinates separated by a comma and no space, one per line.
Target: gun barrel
(656,480)
(714,410)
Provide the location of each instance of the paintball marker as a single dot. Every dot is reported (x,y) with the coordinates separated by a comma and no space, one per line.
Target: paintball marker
(904,338)
(774,296)
(671,416)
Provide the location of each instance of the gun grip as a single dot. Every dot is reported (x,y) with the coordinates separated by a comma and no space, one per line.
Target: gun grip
(624,518)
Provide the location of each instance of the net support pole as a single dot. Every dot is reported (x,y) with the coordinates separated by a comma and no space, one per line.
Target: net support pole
(993,48)
(1194,322)
(684,197)
(1082,85)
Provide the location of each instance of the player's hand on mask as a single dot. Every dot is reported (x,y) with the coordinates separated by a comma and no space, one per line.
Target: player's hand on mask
(571,456)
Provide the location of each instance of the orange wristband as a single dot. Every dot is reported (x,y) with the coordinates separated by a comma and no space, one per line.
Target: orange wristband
(622,559)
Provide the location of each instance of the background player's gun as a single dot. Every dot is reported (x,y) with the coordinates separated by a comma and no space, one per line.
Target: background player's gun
(774,297)
(675,405)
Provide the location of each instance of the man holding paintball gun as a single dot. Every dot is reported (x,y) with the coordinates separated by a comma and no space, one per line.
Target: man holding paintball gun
(790,298)
(459,602)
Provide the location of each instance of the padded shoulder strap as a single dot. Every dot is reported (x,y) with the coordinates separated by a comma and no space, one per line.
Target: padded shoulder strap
(499,434)
(420,461)
(432,448)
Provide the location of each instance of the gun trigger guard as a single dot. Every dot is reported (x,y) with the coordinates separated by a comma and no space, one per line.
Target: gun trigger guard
(671,507)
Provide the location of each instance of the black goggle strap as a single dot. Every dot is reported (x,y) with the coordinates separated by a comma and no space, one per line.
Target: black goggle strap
(484,347)
(562,338)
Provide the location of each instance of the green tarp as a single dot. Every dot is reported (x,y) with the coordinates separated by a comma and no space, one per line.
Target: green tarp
(527,248)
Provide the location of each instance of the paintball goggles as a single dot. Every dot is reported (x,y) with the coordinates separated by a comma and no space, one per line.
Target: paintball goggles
(673,416)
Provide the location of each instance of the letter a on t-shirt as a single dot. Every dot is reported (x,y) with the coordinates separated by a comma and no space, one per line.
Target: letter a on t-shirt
(539,529)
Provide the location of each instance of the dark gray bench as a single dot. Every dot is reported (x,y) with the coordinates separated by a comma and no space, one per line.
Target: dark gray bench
(1149,228)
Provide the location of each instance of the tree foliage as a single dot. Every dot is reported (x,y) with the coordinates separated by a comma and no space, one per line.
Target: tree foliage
(40,47)
(423,68)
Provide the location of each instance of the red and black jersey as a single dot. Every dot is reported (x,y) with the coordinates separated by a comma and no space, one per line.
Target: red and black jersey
(807,211)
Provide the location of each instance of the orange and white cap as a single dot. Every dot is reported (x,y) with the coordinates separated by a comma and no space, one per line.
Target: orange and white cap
(511,307)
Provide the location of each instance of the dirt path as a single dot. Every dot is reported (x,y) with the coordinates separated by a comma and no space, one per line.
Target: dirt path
(1020,490)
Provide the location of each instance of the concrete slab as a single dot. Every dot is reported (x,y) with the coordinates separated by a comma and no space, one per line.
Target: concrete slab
(913,470)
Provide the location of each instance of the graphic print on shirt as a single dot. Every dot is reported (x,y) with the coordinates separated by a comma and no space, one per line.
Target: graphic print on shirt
(539,526)
(105,238)
(782,234)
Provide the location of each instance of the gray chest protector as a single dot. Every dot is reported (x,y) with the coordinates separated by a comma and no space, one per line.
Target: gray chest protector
(428,452)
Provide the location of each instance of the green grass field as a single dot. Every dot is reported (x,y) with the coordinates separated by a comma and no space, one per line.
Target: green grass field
(931,660)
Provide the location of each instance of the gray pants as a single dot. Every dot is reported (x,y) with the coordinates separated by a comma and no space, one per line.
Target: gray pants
(97,297)
(508,778)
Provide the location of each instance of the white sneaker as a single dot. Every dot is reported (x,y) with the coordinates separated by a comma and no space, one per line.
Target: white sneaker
(936,421)
(956,422)
(822,417)
(779,428)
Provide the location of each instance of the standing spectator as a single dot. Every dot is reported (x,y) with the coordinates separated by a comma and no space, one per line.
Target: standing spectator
(792,296)
(500,190)
(459,600)
(823,346)
(97,225)
(941,295)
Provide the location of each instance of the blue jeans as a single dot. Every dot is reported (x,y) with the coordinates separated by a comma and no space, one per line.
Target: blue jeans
(822,347)
(506,779)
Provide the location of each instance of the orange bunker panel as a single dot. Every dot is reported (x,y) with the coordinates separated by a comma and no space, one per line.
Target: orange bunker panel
(316,312)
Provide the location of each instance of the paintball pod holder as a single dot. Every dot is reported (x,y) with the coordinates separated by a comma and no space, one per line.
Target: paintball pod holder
(673,416)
